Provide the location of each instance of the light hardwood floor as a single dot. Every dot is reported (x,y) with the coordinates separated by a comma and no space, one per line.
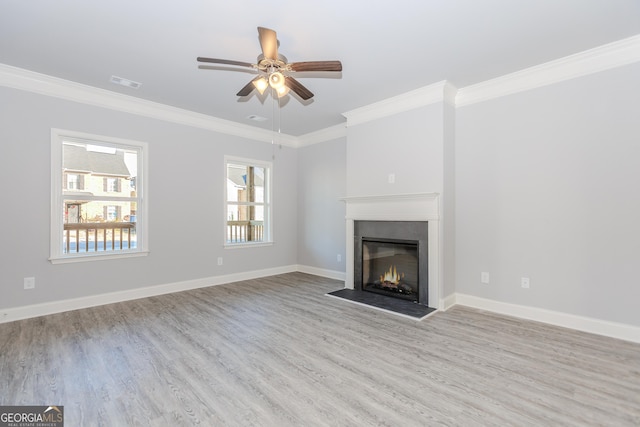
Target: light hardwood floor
(278,352)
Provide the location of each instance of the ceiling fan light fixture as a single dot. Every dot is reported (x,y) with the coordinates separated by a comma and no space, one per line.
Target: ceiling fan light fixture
(261,84)
(274,70)
(276,80)
(282,91)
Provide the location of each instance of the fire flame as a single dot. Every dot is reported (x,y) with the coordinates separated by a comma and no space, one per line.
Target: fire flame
(392,276)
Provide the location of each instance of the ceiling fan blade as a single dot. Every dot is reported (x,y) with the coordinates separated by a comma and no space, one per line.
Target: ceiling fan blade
(248,88)
(224,61)
(316,66)
(268,43)
(298,88)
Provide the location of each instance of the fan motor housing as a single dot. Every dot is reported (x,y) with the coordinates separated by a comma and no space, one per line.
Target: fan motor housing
(266,64)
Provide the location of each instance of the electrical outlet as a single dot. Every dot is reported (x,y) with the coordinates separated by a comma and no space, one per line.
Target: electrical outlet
(29,282)
(484,277)
(339,258)
(524,282)
(219,260)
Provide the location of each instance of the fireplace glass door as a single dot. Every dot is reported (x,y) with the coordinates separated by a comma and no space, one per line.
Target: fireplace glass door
(390,267)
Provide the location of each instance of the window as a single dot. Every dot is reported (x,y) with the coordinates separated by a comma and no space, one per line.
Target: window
(74,181)
(112,213)
(98,208)
(112,185)
(248,206)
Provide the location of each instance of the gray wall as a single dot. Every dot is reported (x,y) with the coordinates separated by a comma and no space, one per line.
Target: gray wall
(321,221)
(408,144)
(185,191)
(448,201)
(547,186)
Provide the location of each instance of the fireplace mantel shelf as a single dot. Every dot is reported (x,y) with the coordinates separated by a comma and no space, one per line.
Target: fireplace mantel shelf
(395,207)
(386,197)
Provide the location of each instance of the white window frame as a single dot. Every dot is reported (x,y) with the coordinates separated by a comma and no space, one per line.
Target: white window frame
(57,256)
(268,202)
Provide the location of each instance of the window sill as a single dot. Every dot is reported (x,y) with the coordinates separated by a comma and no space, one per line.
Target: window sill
(96,257)
(247,245)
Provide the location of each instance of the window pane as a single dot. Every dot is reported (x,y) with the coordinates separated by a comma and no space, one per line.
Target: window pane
(258,213)
(232,212)
(96,169)
(237,183)
(258,185)
(245,183)
(99,197)
(99,226)
(99,211)
(246,202)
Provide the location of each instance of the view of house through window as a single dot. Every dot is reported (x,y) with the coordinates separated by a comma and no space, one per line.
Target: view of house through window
(97,196)
(247,203)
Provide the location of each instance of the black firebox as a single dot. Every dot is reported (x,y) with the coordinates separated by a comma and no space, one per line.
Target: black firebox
(391,259)
(390,267)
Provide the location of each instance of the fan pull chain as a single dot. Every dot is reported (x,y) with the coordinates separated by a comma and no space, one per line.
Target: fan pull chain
(273,131)
(275,103)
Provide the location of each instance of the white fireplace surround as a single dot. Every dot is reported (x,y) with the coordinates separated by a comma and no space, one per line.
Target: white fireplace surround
(399,207)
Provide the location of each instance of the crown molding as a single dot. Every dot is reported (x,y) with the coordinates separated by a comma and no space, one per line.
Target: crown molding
(43,84)
(421,97)
(279,139)
(323,135)
(612,55)
(449,93)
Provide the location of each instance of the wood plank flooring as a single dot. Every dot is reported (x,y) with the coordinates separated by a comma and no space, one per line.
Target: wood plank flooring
(278,352)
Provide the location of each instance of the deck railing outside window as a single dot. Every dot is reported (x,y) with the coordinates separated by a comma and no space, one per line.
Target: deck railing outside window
(245,231)
(99,236)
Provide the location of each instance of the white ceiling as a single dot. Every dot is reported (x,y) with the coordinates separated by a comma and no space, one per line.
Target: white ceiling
(386,48)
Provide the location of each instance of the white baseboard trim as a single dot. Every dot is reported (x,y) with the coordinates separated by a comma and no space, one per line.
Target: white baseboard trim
(586,324)
(36,310)
(330,274)
(448,302)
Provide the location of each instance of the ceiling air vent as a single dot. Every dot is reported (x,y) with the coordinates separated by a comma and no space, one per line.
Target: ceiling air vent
(125,82)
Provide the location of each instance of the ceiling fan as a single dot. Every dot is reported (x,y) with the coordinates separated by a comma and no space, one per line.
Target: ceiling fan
(274,70)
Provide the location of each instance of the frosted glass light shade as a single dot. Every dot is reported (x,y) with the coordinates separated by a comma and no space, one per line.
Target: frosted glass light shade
(276,80)
(261,84)
(282,91)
